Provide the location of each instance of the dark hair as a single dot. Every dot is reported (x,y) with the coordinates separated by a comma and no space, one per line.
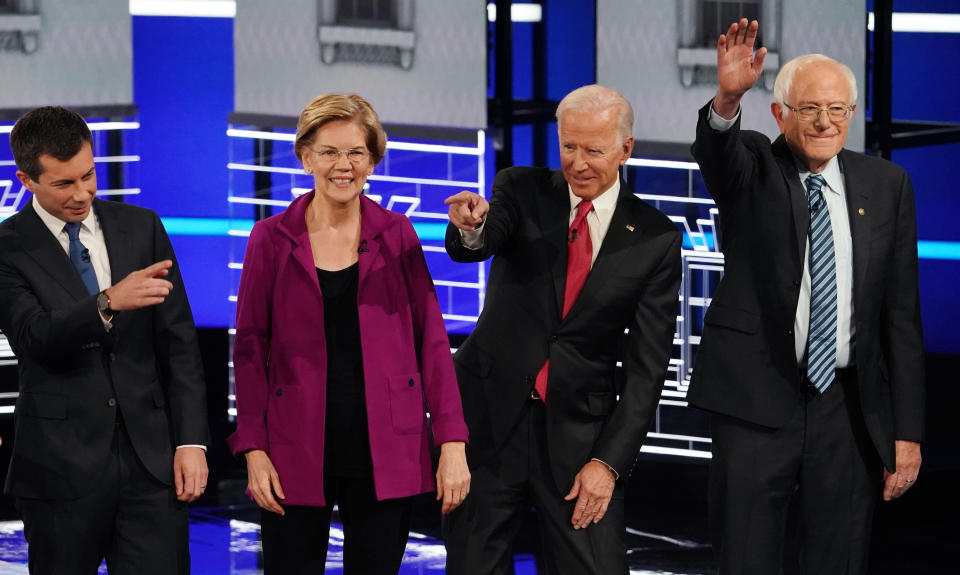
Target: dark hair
(51,130)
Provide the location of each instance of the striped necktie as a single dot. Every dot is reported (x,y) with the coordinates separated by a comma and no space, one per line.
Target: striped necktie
(822,329)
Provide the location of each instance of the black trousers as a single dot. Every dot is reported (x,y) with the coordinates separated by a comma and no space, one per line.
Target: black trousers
(480,533)
(131,519)
(374,532)
(823,457)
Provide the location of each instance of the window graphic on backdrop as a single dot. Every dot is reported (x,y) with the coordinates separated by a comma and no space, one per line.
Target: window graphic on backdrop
(19,26)
(371,32)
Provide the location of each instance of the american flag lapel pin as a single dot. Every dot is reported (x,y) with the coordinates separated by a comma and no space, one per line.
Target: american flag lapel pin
(629,227)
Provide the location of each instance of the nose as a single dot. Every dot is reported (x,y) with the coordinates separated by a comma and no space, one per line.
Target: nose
(342,162)
(822,121)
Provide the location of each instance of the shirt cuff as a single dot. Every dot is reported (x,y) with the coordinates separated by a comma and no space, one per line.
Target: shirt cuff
(719,123)
(203,447)
(616,475)
(473,239)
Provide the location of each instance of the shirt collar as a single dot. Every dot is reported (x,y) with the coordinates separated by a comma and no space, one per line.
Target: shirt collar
(831,175)
(55,224)
(605,201)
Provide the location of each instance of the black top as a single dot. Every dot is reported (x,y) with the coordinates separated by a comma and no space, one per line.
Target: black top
(347,443)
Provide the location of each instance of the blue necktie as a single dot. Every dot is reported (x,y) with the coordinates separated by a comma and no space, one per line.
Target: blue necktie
(822,332)
(80,257)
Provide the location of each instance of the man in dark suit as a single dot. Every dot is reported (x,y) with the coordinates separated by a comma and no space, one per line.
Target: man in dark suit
(111,418)
(811,359)
(578,259)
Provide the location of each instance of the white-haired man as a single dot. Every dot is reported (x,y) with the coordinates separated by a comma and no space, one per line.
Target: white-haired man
(577,259)
(811,359)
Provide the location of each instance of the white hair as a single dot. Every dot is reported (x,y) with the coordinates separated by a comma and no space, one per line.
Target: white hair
(596,98)
(784,81)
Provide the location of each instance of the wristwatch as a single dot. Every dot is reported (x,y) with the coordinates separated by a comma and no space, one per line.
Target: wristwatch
(103,304)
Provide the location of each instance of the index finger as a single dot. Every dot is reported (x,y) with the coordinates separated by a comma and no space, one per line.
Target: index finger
(458,198)
(156,268)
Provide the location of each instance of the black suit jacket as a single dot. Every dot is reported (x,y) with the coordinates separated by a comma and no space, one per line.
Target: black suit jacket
(633,284)
(73,374)
(746,365)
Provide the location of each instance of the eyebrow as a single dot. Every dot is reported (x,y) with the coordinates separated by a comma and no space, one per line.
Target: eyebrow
(71,180)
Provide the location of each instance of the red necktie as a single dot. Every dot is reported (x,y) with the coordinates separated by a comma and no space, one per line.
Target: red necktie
(579,257)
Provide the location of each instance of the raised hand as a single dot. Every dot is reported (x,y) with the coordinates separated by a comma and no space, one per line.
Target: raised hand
(738,67)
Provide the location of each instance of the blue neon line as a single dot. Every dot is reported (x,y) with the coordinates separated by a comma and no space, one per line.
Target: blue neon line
(435,231)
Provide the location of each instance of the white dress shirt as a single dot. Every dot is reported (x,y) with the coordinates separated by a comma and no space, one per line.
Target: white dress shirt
(835,197)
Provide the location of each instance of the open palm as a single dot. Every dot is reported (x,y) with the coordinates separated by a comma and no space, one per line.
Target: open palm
(737,66)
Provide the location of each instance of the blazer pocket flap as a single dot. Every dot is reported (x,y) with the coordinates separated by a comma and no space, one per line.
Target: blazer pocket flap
(406,403)
(45,405)
(731,318)
(601,403)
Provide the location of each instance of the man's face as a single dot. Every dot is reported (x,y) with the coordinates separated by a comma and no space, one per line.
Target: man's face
(591,151)
(65,189)
(814,142)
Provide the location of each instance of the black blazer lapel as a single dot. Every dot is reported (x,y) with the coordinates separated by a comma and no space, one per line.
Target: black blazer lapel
(857,188)
(117,239)
(798,195)
(46,250)
(554,210)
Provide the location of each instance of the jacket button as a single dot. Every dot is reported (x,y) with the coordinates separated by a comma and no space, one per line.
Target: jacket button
(789,332)
(554,338)
(796,283)
(112,402)
(279,392)
(113,357)
(410,383)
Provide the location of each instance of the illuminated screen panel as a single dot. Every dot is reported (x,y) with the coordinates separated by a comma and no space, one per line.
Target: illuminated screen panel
(419,62)
(662,56)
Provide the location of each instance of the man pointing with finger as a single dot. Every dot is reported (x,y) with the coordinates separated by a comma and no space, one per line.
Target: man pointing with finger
(111,417)
(577,261)
(811,360)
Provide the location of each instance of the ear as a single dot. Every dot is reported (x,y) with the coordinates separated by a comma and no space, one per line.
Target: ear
(626,150)
(853,111)
(777,110)
(26,180)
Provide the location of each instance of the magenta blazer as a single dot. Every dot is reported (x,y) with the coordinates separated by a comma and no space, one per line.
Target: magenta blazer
(280,360)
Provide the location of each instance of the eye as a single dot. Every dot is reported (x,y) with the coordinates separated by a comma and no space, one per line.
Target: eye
(356,155)
(596,152)
(329,155)
(811,110)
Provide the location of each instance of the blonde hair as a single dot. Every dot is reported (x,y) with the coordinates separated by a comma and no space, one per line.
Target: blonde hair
(595,98)
(329,107)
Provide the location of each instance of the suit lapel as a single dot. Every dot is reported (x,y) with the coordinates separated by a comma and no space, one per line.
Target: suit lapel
(613,249)
(855,183)
(555,225)
(116,236)
(46,250)
(798,196)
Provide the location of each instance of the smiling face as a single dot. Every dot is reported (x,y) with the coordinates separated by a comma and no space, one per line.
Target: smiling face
(815,142)
(591,151)
(339,181)
(65,189)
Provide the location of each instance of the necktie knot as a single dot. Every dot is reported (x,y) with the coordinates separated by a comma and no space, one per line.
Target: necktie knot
(73,230)
(814,184)
(583,208)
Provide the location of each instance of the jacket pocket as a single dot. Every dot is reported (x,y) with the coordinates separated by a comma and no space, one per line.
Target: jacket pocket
(44,405)
(601,403)
(732,318)
(406,403)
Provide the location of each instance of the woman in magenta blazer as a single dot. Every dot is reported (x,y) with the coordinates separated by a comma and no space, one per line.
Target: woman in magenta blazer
(340,351)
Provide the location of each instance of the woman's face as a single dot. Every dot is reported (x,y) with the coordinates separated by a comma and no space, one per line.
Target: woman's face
(339,161)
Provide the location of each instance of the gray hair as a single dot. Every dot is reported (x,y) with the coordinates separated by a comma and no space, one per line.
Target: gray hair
(596,98)
(784,81)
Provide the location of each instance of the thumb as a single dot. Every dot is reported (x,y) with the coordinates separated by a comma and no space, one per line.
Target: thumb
(575,490)
(178,479)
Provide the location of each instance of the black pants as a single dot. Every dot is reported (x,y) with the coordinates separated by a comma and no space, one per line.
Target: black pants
(374,532)
(480,533)
(822,456)
(130,519)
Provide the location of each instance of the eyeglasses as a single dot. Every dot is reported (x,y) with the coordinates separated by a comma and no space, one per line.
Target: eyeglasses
(332,155)
(835,112)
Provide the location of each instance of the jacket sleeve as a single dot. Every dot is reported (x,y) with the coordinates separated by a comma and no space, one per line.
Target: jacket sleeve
(498,227)
(645,361)
(431,344)
(178,353)
(251,344)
